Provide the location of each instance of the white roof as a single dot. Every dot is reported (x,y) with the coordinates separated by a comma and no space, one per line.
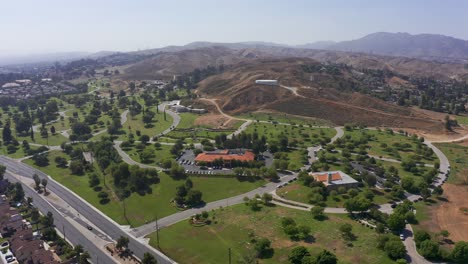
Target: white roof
(10,85)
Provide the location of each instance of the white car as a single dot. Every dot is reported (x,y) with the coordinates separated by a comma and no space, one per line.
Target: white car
(402,237)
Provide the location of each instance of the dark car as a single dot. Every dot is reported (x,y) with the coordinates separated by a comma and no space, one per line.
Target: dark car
(89,227)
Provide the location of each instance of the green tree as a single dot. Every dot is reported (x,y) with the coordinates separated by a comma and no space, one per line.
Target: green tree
(396,222)
(317,212)
(346,231)
(122,242)
(262,247)
(37,181)
(298,254)
(194,197)
(395,249)
(460,252)
(2,172)
(6,133)
(149,259)
(44,184)
(325,257)
(429,249)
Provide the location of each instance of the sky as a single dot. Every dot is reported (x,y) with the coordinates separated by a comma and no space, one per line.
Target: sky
(49,26)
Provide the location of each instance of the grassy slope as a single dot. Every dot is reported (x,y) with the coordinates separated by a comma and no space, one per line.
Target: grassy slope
(272,131)
(384,137)
(144,208)
(209,244)
(298,192)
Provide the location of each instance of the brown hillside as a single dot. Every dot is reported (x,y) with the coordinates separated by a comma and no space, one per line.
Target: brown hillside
(237,92)
(168,64)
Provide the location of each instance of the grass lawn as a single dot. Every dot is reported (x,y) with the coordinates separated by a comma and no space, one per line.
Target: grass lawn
(161,153)
(200,131)
(231,227)
(284,118)
(144,208)
(300,136)
(463,120)
(380,137)
(52,140)
(403,173)
(19,153)
(296,191)
(135,123)
(458,158)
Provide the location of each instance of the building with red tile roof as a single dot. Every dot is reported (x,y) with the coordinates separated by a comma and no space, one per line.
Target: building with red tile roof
(226,156)
(335,179)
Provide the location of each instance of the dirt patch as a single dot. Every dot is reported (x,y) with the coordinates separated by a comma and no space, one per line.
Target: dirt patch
(450,215)
(214,121)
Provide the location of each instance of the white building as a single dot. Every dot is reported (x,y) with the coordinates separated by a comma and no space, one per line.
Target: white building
(267,82)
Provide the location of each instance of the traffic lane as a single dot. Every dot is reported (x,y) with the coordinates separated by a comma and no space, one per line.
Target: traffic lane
(71,233)
(111,228)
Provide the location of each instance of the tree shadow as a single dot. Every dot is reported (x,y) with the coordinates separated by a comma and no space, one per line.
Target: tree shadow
(310,239)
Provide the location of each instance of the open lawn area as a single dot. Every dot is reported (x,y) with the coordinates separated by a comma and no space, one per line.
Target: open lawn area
(161,153)
(19,153)
(51,140)
(135,123)
(143,208)
(297,136)
(235,226)
(296,191)
(397,146)
(462,120)
(458,158)
(284,118)
(188,130)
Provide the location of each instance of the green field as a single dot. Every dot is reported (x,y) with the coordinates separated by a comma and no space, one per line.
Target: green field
(462,120)
(231,228)
(188,130)
(144,208)
(161,153)
(297,136)
(135,123)
(384,137)
(19,153)
(296,191)
(51,140)
(284,118)
(458,158)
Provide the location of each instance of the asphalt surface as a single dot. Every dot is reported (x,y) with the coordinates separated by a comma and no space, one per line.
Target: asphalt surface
(72,234)
(100,220)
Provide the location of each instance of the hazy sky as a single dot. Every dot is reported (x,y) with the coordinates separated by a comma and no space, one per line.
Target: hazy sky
(41,26)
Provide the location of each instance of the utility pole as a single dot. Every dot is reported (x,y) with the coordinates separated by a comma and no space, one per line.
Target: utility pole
(229,251)
(157,231)
(63,231)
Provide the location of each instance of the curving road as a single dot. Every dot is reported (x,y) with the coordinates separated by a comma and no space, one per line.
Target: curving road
(88,211)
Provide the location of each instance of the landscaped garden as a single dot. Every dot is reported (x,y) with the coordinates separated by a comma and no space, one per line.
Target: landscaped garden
(245,233)
(139,208)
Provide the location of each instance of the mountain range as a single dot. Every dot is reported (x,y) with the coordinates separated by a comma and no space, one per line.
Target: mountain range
(422,46)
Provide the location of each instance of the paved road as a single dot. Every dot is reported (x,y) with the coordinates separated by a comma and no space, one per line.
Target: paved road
(412,255)
(177,217)
(72,234)
(175,119)
(85,209)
